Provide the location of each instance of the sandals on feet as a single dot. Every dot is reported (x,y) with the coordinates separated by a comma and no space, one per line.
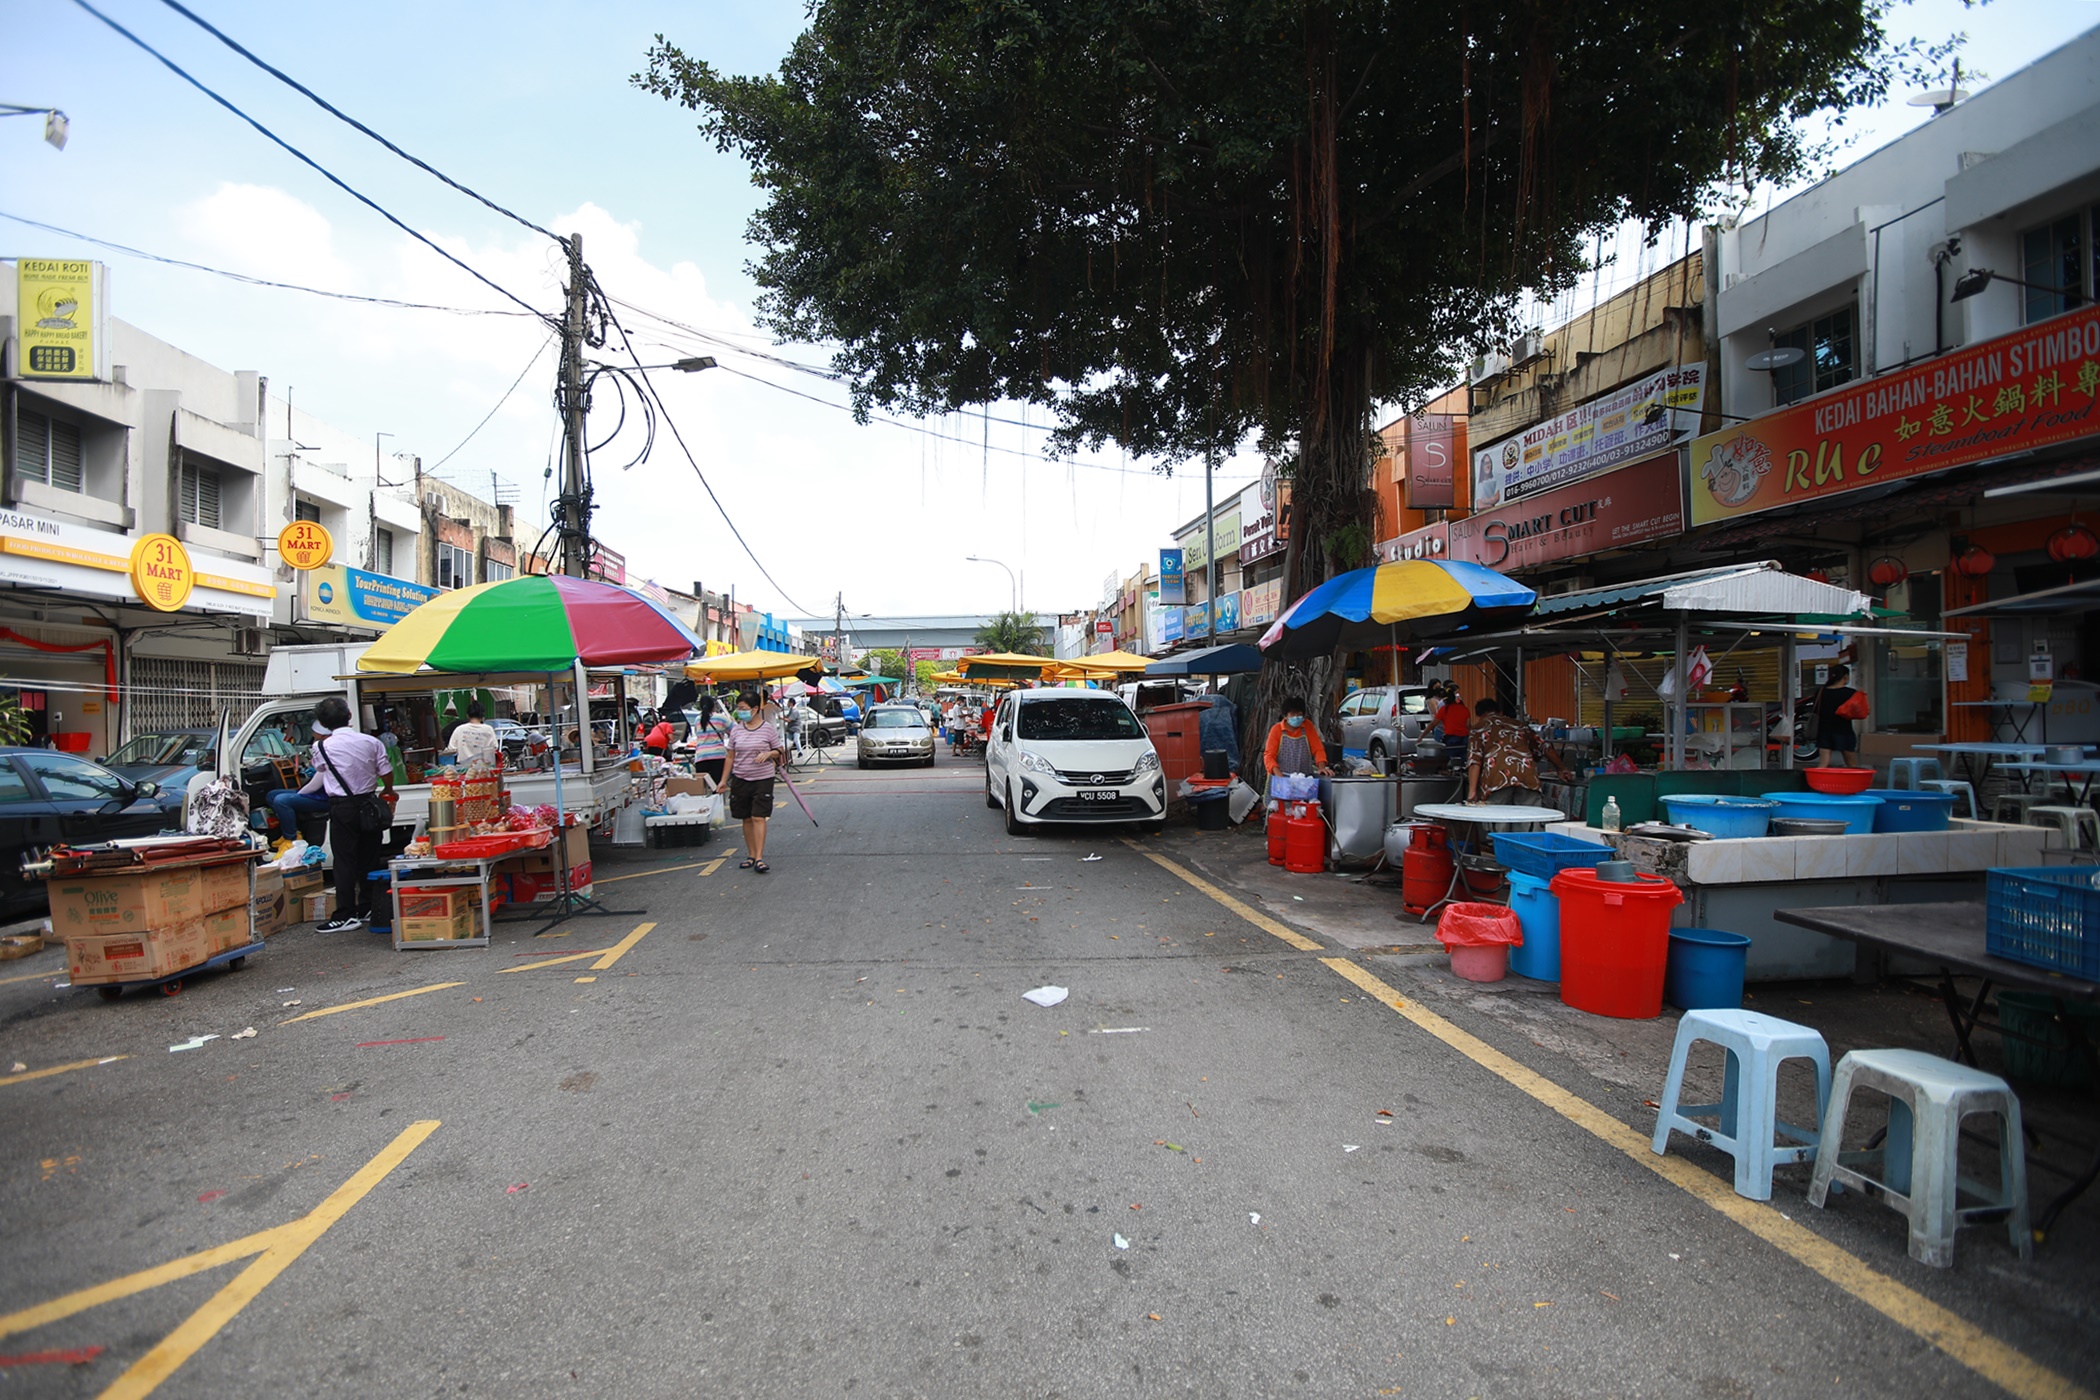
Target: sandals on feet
(746,863)
(761,867)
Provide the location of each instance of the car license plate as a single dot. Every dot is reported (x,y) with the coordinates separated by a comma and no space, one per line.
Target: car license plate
(1099,795)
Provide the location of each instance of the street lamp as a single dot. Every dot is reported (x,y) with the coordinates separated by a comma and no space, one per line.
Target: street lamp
(1013,584)
(693,365)
(55,123)
(1977,278)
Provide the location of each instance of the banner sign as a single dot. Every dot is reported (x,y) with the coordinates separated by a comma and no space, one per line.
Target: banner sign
(354,598)
(61,318)
(1595,435)
(1264,511)
(1260,604)
(1625,507)
(1195,621)
(1170,625)
(1170,576)
(1431,445)
(1429,542)
(1228,612)
(2019,392)
(1195,545)
(60,556)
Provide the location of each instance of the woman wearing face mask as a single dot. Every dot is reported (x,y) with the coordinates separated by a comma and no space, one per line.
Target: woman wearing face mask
(1294,745)
(755,751)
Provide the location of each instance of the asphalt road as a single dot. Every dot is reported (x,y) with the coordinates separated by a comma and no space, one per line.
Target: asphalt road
(805,1137)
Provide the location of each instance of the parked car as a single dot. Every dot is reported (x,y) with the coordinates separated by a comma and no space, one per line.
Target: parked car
(896,733)
(168,757)
(1383,720)
(48,799)
(824,718)
(1071,756)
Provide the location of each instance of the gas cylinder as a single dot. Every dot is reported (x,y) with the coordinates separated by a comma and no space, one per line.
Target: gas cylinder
(1425,871)
(1276,832)
(1304,839)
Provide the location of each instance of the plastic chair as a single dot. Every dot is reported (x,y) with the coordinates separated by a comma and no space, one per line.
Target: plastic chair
(1756,1044)
(1909,773)
(2073,822)
(2016,802)
(1954,786)
(1916,1168)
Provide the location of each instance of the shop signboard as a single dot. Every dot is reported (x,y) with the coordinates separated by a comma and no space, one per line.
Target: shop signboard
(1644,501)
(1264,511)
(1594,436)
(1431,446)
(1170,625)
(350,597)
(305,544)
(59,556)
(1429,542)
(1260,604)
(1170,576)
(61,318)
(2031,389)
(1195,545)
(1195,620)
(1228,612)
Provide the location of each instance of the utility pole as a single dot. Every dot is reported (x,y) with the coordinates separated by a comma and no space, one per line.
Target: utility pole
(573,512)
(838,631)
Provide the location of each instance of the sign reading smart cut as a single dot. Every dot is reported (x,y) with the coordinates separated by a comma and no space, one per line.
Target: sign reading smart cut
(60,317)
(161,572)
(1595,435)
(354,598)
(1642,502)
(305,544)
(1170,587)
(2021,391)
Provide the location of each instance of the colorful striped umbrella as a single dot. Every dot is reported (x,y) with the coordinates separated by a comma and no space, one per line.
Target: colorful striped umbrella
(1369,607)
(535,622)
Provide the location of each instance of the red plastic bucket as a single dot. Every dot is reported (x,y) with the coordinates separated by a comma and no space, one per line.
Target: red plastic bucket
(1614,942)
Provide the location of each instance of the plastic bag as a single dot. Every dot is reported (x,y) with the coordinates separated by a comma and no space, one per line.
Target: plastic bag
(1477,926)
(1854,706)
(293,858)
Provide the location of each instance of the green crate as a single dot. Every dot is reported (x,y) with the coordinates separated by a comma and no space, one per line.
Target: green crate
(2031,1013)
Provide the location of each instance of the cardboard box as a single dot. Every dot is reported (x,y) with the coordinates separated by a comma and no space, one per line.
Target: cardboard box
(315,908)
(93,958)
(465,923)
(227,929)
(129,903)
(301,883)
(693,787)
(441,902)
(225,886)
(543,860)
(533,886)
(270,912)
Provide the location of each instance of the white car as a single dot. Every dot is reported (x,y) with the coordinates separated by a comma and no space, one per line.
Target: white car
(896,734)
(1071,756)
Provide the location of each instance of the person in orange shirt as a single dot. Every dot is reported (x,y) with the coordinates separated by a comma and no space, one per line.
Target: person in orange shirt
(1294,744)
(1455,722)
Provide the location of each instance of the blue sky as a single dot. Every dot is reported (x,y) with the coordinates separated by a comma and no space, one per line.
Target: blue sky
(530,104)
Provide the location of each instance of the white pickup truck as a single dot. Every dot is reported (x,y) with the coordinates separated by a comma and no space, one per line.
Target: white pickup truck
(273,739)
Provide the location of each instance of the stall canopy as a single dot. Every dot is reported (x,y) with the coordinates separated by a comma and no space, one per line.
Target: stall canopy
(1107,663)
(1372,607)
(749,666)
(535,622)
(1236,659)
(1762,589)
(1007,666)
(2065,598)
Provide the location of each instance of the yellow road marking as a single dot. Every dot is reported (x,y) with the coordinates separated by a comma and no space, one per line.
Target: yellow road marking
(1251,915)
(705,867)
(292,1241)
(60,1069)
(371,1001)
(619,950)
(58,1309)
(1966,1343)
(716,864)
(537,963)
(31,976)
(587,979)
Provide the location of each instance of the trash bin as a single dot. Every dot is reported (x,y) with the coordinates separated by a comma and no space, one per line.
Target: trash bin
(1478,937)
(1212,813)
(1614,942)
(1538,910)
(1705,970)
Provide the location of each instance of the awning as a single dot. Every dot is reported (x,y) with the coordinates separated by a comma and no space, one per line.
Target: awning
(1229,660)
(1763,589)
(2066,597)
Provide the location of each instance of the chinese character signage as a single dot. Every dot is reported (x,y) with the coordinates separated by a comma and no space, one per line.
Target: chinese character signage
(61,318)
(1170,591)
(1260,604)
(2019,392)
(1595,435)
(1431,445)
(1625,507)
(1264,508)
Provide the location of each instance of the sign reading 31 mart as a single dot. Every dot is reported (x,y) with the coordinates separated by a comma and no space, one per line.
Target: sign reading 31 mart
(2031,389)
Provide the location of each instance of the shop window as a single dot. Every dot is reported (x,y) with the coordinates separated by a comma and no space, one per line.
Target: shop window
(1905,689)
(48,450)
(2060,265)
(494,569)
(383,551)
(455,566)
(306,510)
(1831,356)
(197,495)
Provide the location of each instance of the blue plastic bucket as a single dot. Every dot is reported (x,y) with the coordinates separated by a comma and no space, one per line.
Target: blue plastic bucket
(1538,909)
(1718,815)
(1904,810)
(1856,812)
(1705,969)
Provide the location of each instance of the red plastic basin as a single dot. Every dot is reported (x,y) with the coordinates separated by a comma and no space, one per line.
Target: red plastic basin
(1840,782)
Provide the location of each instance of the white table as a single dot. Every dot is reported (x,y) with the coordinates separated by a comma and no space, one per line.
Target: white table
(2089,770)
(1968,754)
(1478,814)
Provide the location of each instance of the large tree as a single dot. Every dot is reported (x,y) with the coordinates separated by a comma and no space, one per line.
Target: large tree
(1179,223)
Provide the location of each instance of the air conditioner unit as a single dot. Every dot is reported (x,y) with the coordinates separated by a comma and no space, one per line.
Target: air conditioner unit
(1527,348)
(1487,367)
(433,500)
(250,641)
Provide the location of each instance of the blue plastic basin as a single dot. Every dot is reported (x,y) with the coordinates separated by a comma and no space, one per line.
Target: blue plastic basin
(1538,909)
(1856,812)
(1902,810)
(1717,815)
(1705,970)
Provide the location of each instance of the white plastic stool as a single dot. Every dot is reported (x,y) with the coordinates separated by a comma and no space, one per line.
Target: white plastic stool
(1910,774)
(1915,1170)
(2073,822)
(2018,802)
(1748,1109)
(1954,787)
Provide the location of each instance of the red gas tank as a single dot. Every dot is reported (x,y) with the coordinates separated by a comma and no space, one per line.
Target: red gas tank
(1425,871)
(1276,830)
(1304,839)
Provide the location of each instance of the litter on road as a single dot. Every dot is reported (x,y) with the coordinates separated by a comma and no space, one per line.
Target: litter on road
(1046,996)
(194,1042)
(1084,859)
(1121,1243)
(1352,1147)
(248,1034)
(1254,1217)
(1119,1030)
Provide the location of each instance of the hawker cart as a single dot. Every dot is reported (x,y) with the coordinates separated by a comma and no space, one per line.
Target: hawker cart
(171,985)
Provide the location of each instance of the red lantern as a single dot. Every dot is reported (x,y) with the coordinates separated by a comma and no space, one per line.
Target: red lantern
(1816,576)
(2073,542)
(1887,572)
(1975,562)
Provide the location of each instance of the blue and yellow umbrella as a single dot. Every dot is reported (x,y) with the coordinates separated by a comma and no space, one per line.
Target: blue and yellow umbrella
(1371,607)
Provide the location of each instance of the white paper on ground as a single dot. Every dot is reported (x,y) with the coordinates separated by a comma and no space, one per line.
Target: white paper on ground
(1046,996)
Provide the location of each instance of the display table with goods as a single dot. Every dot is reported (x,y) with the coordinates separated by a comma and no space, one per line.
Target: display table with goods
(153,912)
(2038,933)
(446,893)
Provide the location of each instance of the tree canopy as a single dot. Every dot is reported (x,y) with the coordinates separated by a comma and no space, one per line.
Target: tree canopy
(1015,633)
(1176,223)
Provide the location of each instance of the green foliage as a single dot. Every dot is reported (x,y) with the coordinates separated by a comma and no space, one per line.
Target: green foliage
(884,661)
(14,721)
(1014,632)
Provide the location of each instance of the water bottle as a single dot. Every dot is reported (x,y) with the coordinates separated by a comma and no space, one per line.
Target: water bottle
(1611,816)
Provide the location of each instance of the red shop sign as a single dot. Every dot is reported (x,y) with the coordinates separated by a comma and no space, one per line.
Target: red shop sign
(1612,510)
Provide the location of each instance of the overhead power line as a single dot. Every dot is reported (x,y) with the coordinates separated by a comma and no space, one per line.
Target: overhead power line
(330,176)
(339,114)
(261,281)
(498,408)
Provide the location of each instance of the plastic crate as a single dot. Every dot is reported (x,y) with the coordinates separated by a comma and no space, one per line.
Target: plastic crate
(2045,916)
(2053,1061)
(1545,854)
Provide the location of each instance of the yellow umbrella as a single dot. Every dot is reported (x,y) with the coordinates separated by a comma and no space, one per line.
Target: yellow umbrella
(1107,663)
(1006,665)
(749,666)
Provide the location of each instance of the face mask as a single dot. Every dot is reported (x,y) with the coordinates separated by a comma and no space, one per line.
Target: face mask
(1294,720)
(743,714)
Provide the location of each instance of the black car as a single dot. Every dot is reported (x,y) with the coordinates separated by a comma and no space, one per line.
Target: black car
(49,799)
(169,757)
